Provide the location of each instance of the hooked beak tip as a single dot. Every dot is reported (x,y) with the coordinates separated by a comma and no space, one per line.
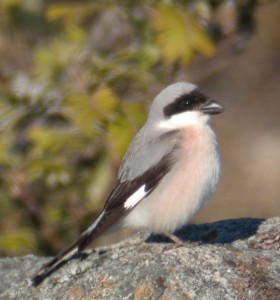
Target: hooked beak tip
(212,107)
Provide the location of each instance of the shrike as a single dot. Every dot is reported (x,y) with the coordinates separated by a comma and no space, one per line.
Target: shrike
(170,170)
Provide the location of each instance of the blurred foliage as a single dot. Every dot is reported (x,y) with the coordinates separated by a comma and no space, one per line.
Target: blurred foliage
(72,95)
(179,34)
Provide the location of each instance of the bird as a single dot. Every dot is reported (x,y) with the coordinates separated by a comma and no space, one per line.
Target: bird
(169,171)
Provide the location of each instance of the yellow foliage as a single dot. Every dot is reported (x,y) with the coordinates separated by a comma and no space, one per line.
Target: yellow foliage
(52,60)
(53,213)
(31,6)
(104,102)
(75,33)
(89,113)
(81,113)
(50,140)
(5,142)
(179,34)
(54,171)
(99,184)
(64,123)
(121,132)
(69,13)
(135,113)
(118,138)
(7,4)
(9,115)
(19,241)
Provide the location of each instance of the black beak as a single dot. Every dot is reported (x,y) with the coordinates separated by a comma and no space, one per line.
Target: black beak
(212,107)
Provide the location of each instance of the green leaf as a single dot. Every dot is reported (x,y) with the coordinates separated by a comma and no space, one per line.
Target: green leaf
(179,34)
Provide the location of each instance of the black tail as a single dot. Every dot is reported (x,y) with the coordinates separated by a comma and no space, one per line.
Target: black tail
(59,260)
(84,240)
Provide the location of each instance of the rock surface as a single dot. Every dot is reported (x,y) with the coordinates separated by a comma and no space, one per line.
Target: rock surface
(232,259)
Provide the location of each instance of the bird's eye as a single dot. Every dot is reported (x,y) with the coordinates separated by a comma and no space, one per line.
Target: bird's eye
(186,103)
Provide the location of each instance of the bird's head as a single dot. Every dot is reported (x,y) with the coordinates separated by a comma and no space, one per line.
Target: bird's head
(182,104)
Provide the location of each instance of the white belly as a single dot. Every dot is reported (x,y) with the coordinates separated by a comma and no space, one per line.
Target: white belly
(185,189)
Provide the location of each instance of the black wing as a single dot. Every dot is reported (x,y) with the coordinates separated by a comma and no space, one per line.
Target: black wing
(123,190)
(114,209)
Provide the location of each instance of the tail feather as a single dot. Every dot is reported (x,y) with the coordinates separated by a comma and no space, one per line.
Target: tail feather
(58,260)
(85,239)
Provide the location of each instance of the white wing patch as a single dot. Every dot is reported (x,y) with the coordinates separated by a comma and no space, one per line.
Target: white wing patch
(135,197)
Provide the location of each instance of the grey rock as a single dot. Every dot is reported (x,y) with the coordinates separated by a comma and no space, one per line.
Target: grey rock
(231,259)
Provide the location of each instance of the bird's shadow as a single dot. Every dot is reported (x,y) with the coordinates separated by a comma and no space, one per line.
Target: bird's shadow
(221,232)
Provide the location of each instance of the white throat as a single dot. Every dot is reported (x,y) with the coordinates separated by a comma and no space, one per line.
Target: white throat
(181,120)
